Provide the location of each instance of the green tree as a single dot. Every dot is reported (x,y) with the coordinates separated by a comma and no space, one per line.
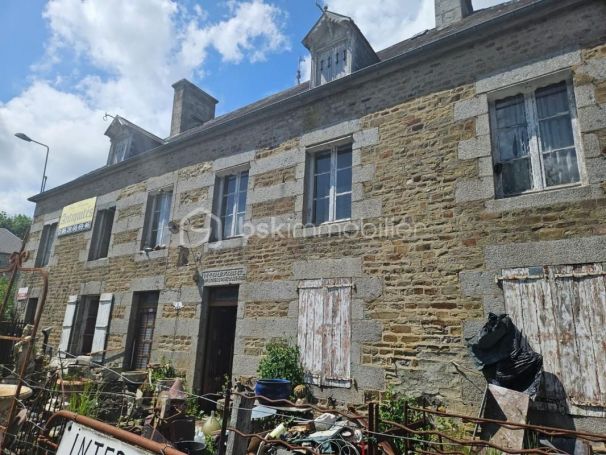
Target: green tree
(11,301)
(17,224)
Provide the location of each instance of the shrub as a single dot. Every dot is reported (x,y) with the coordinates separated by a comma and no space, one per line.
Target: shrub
(281,361)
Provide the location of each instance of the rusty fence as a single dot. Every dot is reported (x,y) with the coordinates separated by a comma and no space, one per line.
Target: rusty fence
(27,340)
(419,432)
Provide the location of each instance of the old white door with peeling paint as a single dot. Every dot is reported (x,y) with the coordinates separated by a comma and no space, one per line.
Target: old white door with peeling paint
(562,312)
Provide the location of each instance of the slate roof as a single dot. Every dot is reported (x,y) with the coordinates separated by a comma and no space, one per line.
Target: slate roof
(9,242)
(118,120)
(476,18)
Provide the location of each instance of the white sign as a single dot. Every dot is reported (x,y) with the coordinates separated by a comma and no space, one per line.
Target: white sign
(22,293)
(81,440)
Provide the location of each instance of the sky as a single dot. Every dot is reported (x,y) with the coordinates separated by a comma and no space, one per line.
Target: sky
(68,62)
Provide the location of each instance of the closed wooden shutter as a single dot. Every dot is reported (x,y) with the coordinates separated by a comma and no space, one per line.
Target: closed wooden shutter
(102,327)
(562,312)
(324,331)
(310,336)
(337,333)
(68,323)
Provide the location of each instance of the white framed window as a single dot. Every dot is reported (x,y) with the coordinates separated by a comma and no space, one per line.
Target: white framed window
(329,184)
(324,331)
(231,204)
(157,216)
(46,244)
(536,139)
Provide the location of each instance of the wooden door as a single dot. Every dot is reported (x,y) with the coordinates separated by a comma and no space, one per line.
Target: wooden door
(220,338)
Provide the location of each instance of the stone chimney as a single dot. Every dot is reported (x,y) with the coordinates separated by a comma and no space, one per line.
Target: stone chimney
(192,107)
(450,11)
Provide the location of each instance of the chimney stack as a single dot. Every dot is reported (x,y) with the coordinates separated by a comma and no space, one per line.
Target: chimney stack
(192,107)
(450,11)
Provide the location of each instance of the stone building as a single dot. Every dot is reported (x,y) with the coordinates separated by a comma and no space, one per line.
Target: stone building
(9,243)
(373,215)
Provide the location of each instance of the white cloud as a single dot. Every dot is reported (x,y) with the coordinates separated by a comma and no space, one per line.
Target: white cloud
(136,49)
(386,22)
(59,119)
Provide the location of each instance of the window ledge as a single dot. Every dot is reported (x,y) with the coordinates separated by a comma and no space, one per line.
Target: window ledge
(544,198)
(155,254)
(330,228)
(234,242)
(97,262)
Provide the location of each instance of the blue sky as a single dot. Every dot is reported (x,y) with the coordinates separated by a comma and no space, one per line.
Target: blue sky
(67,62)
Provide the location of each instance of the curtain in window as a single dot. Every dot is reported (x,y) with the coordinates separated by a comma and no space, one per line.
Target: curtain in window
(514,170)
(161,218)
(555,131)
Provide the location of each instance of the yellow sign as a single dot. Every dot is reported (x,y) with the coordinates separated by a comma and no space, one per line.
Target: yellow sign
(77,217)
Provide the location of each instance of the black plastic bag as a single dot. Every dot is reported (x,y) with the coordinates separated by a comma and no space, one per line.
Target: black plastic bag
(503,354)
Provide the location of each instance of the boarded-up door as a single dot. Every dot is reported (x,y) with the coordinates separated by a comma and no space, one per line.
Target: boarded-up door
(102,327)
(68,322)
(324,331)
(562,312)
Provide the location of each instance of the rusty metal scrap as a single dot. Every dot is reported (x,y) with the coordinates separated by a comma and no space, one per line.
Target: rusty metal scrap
(16,266)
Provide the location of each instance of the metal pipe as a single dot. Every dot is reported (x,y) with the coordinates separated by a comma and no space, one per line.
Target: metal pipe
(526,426)
(118,433)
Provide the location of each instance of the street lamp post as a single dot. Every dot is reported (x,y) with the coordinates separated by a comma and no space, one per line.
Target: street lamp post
(26,138)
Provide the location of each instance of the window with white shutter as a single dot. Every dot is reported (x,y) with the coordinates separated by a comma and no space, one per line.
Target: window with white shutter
(324,331)
(562,312)
(68,322)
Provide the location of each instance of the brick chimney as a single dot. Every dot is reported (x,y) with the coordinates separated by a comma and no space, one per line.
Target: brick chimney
(450,11)
(192,107)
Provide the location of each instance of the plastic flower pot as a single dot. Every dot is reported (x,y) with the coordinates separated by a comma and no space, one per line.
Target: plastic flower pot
(273,389)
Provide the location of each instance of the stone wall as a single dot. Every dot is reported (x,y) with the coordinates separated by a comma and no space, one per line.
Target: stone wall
(427,234)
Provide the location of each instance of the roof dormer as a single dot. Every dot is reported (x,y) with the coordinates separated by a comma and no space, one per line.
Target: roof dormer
(337,48)
(128,140)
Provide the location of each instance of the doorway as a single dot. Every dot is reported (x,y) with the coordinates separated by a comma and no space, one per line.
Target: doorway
(220,337)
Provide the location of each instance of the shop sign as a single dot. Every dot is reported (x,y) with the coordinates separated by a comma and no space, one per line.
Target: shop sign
(77,217)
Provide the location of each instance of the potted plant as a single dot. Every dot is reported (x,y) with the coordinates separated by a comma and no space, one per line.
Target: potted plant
(279,371)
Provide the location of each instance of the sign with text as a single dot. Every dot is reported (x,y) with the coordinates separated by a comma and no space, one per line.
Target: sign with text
(80,440)
(77,217)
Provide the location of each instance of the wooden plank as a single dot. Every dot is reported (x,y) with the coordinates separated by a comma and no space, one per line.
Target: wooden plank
(309,297)
(241,420)
(547,328)
(598,324)
(563,293)
(508,405)
(339,343)
(583,312)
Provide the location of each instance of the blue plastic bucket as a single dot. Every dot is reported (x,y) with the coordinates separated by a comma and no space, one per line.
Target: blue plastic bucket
(274,389)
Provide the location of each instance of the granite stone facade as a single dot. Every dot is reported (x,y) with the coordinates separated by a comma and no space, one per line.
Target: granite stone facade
(427,234)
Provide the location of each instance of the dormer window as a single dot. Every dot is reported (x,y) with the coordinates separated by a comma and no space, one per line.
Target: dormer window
(119,150)
(128,140)
(329,41)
